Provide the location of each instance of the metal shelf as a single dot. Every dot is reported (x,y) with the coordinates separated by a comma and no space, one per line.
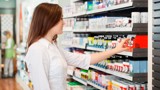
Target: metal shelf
(136,53)
(95,49)
(137,28)
(96,11)
(84,82)
(117,29)
(138,77)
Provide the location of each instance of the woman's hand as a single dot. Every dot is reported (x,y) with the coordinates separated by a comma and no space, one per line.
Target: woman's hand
(122,45)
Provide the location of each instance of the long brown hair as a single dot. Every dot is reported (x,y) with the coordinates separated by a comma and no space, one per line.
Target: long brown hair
(45,16)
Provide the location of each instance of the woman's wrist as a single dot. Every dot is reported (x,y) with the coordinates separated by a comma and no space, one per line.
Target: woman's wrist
(117,50)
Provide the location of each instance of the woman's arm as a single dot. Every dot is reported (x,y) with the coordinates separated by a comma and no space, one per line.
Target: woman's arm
(84,60)
(97,57)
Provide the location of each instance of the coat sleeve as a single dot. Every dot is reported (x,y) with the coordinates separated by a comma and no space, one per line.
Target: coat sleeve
(76,59)
(38,69)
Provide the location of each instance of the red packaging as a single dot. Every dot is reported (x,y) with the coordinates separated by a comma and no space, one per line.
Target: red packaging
(140,41)
(96,76)
(132,87)
(143,87)
(137,41)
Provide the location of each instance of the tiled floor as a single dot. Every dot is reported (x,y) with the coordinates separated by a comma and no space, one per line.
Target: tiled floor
(9,84)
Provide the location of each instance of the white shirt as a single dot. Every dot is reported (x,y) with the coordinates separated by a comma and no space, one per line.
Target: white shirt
(47,65)
(9,45)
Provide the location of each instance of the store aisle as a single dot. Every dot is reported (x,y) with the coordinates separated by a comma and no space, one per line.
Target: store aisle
(9,84)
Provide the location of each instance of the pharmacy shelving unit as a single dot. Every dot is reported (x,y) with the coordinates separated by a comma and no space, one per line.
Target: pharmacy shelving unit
(137,28)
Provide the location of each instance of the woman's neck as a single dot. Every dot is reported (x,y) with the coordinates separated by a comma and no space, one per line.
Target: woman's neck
(49,39)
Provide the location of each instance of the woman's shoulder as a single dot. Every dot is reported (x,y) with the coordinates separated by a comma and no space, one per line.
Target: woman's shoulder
(36,47)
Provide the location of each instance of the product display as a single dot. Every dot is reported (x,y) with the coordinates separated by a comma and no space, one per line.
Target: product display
(126,85)
(106,42)
(92,5)
(104,22)
(91,34)
(106,81)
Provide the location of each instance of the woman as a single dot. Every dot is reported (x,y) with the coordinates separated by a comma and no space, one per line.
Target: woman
(9,55)
(47,63)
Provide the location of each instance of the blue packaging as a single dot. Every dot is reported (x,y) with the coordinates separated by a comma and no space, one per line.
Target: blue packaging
(89,5)
(134,65)
(143,66)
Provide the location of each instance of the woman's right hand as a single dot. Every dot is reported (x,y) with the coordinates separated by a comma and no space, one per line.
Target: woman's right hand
(122,45)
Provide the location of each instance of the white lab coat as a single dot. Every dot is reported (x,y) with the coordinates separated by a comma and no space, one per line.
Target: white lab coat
(47,65)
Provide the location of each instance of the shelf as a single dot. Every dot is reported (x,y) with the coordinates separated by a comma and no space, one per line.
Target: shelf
(96,11)
(138,77)
(94,85)
(117,29)
(84,82)
(137,28)
(22,84)
(95,49)
(136,53)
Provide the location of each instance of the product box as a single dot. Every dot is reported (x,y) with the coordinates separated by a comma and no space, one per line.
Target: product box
(137,41)
(143,66)
(74,86)
(141,41)
(89,5)
(134,66)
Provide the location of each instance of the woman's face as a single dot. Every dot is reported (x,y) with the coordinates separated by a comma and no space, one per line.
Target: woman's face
(58,28)
(8,35)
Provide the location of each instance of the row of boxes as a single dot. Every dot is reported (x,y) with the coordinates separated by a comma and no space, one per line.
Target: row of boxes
(139,66)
